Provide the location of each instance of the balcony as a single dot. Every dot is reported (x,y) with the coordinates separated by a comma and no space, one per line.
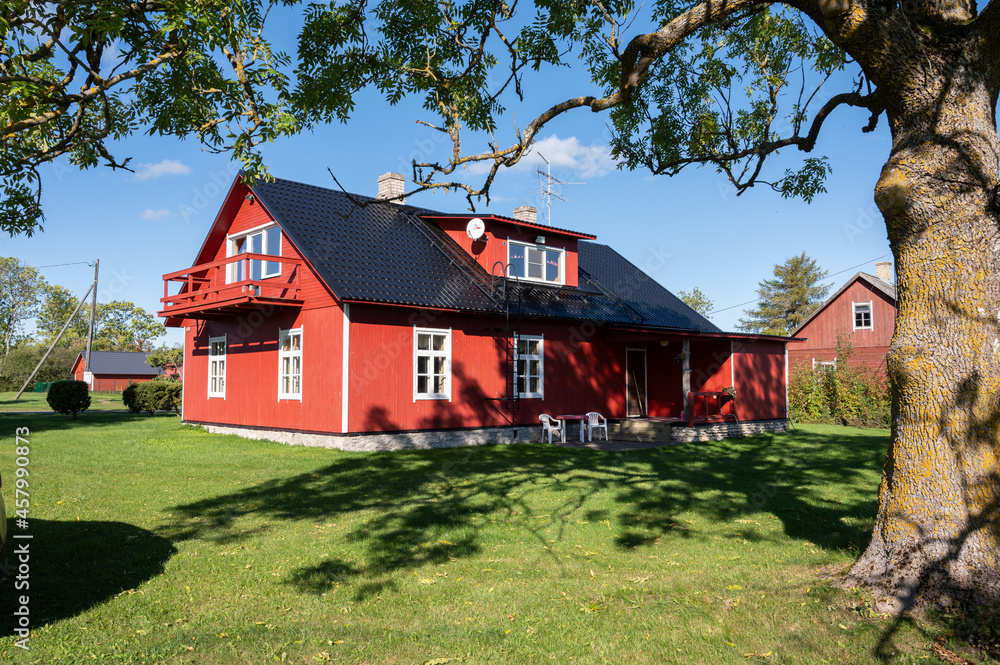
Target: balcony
(232,286)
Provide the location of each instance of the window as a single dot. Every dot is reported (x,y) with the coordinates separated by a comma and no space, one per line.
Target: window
(862,315)
(536,263)
(431,364)
(530,366)
(217,366)
(263,241)
(290,364)
(825,364)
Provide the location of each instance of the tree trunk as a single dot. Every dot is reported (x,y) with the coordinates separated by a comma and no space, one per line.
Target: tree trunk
(937,532)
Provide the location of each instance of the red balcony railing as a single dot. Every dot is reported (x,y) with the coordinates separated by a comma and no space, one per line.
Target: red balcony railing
(231,286)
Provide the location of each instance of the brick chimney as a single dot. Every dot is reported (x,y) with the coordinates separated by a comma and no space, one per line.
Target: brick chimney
(526,214)
(883,270)
(391,185)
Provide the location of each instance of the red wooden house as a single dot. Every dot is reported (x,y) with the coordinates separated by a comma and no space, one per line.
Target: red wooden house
(862,311)
(114,370)
(319,317)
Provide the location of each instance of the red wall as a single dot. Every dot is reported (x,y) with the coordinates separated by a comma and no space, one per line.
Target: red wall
(252,370)
(759,366)
(493,246)
(837,318)
(581,372)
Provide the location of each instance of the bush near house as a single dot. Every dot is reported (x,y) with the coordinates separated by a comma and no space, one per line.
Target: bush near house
(840,394)
(152,396)
(69,397)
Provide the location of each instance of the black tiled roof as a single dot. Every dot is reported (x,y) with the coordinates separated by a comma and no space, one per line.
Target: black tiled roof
(383,252)
(121,362)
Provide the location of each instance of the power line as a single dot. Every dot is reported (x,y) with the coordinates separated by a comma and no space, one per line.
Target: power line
(59,265)
(725,309)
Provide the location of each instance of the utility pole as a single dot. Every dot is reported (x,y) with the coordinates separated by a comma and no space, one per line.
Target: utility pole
(93,309)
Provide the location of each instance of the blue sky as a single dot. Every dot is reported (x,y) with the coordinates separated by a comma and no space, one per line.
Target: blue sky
(687,231)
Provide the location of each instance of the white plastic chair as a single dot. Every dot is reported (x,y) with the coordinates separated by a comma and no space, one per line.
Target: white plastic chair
(550,425)
(598,422)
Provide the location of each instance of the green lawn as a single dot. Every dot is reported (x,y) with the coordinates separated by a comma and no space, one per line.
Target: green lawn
(31,401)
(155,542)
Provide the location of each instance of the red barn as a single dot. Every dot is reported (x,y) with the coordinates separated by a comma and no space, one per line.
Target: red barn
(114,370)
(862,311)
(325,318)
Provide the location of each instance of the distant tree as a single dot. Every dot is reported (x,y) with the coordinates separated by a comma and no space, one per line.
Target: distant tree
(697,301)
(16,366)
(167,358)
(21,288)
(56,309)
(786,301)
(124,326)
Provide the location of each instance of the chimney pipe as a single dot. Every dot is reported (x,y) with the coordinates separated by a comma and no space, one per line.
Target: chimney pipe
(883,270)
(391,185)
(526,214)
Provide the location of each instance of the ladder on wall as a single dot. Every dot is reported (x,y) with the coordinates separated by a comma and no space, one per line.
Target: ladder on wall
(508,335)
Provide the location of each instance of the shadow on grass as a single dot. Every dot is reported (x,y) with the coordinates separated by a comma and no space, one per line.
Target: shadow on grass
(416,507)
(73,566)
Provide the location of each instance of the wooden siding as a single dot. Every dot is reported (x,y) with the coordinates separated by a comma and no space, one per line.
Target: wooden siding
(579,368)
(247,216)
(837,319)
(759,367)
(252,371)
(492,247)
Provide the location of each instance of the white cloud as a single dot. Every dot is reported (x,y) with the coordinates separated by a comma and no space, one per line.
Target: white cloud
(154,215)
(166,167)
(567,157)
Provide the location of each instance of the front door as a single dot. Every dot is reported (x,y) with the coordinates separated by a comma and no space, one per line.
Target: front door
(635,382)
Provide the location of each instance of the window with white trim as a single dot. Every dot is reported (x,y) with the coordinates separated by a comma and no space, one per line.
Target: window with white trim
(530,366)
(290,364)
(431,364)
(217,366)
(862,315)
(260,241)
(536,263)
(830,364)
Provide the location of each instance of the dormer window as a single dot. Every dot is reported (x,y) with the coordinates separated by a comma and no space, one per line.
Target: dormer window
(536,263)
(265,240)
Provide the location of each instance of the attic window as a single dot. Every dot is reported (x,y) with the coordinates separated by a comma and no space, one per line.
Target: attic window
(862,315)
(266,240)
(535,263)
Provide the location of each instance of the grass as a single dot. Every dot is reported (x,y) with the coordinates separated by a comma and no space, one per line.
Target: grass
(32,401)
(155,542)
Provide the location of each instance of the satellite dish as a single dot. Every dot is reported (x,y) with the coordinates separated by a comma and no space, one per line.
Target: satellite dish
(475,228)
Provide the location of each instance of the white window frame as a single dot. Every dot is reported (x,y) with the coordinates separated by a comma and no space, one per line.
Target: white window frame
(871,315)
(824,363)
(431,354)
(290,355)
(540,357)
(542,248)
(213,358)
(231,250)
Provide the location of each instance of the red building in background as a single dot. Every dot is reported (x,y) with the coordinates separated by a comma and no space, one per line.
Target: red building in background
(862,311)
(320,317)
(114,370)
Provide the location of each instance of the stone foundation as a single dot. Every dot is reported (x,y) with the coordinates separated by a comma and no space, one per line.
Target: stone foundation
(388,440)
(720,431)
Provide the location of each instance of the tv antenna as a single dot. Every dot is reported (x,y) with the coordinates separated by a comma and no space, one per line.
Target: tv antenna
(548,181)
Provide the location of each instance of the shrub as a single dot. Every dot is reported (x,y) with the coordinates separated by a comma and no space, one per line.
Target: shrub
(129,397)
(841,394)
(69,397)
(155,396)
